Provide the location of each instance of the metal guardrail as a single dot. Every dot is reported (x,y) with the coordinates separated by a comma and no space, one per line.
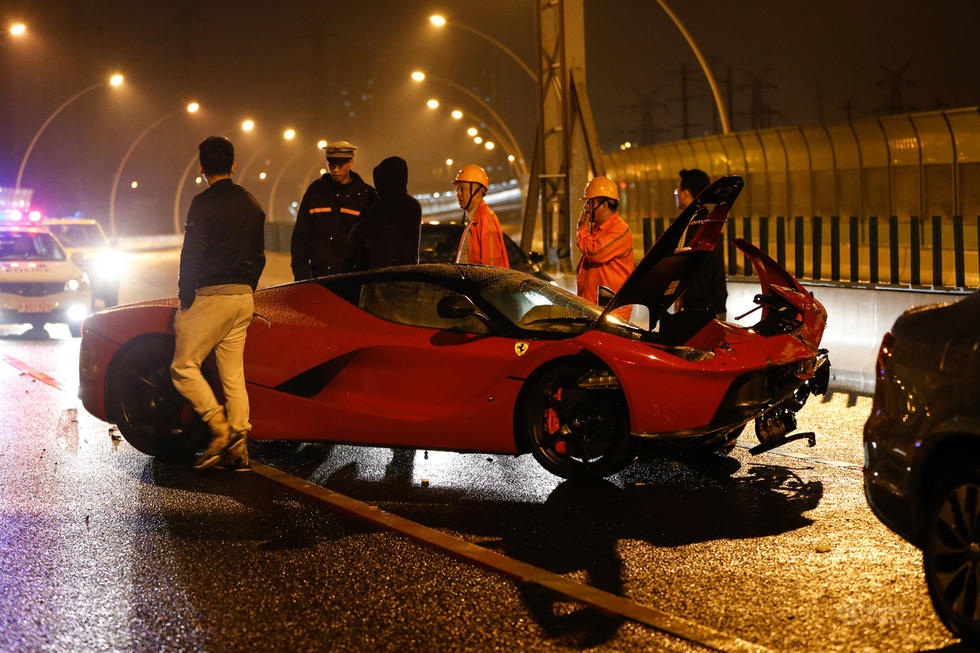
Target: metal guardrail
(941,253)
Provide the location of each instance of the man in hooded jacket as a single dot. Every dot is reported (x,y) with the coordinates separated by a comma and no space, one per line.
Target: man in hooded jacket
(331,207)
(392,227)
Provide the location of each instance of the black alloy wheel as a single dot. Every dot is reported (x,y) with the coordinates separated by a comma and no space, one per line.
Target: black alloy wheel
(951,552)
(150,413)
(576,432)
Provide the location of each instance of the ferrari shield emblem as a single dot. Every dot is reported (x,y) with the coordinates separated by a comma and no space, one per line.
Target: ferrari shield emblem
(521,348)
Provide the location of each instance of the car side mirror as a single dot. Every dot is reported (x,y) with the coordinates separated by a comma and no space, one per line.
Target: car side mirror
(455,307)
(535,257)
(605,296)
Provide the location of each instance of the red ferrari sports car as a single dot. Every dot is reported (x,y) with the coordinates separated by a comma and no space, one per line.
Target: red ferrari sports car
(475,358)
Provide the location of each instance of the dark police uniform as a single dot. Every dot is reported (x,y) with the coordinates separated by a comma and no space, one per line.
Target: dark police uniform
(327,214)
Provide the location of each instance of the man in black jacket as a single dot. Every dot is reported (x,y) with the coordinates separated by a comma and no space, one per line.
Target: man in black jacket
(708,292)
(392,227)
(220,263)
(331,207)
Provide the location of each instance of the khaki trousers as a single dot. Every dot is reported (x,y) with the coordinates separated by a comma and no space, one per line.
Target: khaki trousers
(219,323)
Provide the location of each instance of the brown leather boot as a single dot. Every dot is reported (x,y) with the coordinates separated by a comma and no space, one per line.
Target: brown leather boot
(221,441)
(236,458)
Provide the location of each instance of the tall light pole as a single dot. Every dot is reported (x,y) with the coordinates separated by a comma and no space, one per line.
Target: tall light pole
(726,125)
(439,20)
(190,108)
(115,80)
(246,126)
(420,76)
(271,208)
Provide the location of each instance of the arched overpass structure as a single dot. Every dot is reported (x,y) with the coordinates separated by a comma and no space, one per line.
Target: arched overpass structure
(919,164)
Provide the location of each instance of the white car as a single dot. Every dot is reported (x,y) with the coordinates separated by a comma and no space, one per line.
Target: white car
(39,283)
(95,255)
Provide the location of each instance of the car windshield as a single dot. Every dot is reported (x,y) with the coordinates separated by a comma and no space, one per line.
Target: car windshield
(536,305)
(78,235)
(29,246)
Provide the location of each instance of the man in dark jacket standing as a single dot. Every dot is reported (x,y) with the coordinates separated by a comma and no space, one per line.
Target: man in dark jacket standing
(220,263)
(392,228)
(331,207)
(708,293)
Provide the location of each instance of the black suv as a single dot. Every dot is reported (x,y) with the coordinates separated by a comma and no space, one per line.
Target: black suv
(922,450)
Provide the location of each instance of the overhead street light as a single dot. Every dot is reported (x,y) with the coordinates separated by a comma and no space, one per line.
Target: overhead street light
(472,131)
(289,134)
(432,104)
(321,144)
(18,29)
(134,184)
(439,20)
(489,145)
(456,114)
(512,145)
(192,107)
(115,80)
(248,125)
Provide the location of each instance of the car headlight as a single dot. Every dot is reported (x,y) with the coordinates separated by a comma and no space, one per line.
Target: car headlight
(108,264)
(80,283)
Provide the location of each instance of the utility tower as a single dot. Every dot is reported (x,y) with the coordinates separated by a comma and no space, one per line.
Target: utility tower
(566,149)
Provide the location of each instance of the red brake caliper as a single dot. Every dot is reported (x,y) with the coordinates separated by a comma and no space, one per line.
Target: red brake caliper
(552,424)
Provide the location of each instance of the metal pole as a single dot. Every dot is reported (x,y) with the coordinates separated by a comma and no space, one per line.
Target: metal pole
(508,51)
(715,91)
(122,164)
(37,135)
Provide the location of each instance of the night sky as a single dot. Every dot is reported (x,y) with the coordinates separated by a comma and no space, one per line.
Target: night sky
(312,65)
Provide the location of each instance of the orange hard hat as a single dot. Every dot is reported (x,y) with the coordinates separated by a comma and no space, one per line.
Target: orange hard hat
(601,187)
(473,173)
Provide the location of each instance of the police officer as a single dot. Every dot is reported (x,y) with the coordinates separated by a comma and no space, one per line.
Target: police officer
(331,206)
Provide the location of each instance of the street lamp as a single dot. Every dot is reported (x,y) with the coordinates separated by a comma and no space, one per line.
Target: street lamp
(432,104)
(288,135)
(193,107)
(18,29)
(420,76)
(115,80)
(440,21)
(456,114)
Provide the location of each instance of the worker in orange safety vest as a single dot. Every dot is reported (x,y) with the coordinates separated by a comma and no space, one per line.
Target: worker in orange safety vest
(482,241)
(604,240)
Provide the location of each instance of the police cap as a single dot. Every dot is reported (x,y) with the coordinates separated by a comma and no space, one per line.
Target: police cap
(339,150)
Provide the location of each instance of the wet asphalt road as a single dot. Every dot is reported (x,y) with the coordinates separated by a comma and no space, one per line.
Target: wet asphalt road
(103,548)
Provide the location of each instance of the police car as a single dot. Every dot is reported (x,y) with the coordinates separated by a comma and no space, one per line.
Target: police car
(39,282)
(86,244)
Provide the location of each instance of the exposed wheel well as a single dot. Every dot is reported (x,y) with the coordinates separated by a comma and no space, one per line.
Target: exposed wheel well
(585,359)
